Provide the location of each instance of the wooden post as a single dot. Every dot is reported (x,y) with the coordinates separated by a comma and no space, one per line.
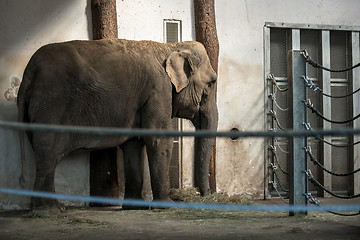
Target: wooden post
(103,163)
(205,30)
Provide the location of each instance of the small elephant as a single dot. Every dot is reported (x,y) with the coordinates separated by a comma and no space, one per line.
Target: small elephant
(118,83)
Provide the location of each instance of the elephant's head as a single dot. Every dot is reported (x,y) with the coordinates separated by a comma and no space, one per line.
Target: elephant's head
(194,81)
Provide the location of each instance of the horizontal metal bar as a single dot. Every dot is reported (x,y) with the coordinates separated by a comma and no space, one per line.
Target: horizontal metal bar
(281,79)
(339,80)
(312,26)
(103,131)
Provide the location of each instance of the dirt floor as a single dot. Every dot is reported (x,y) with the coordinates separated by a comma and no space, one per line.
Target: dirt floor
(114,223)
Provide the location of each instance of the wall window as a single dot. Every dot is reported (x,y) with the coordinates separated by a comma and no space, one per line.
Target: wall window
(172,31)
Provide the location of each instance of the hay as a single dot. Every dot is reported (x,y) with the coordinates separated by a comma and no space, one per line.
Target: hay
(192,195)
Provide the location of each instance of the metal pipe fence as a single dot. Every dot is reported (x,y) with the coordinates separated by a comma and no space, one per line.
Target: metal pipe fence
(101,131)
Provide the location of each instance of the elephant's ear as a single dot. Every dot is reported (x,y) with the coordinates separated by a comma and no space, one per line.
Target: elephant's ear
(178,69)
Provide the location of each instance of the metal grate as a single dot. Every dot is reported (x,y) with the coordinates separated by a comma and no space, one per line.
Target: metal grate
(310,40)
(340,164)
(338,53)
(172,31)
(340,107)
(279,43)
(279,47)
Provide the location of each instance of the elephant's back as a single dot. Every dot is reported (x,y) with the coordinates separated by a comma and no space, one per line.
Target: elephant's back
(63,84)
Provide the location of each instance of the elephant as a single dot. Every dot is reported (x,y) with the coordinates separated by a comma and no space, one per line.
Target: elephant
(124,84)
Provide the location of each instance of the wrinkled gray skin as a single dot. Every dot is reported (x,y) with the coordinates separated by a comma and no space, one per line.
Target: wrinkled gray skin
(118,83)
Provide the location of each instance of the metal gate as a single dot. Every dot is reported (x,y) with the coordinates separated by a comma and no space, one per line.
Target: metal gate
(335,47)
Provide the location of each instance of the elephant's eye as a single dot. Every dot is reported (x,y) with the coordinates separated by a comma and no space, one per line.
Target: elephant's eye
(212,83)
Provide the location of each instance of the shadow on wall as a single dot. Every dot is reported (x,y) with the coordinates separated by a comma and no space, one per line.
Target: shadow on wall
(28,25)
(22,21)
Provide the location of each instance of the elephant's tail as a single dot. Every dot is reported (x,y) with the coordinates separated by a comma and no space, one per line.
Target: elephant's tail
(22,117)
(22,153)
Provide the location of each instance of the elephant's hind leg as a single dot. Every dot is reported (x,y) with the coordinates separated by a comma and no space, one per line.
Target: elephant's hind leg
(44,181)
(46,157)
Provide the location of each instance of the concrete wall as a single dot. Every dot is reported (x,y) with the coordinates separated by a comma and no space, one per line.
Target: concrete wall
(240,164)
(27,25)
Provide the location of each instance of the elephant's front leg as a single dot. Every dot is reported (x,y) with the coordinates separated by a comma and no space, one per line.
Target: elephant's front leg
(159,152)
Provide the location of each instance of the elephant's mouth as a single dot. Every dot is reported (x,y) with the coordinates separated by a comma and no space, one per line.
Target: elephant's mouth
(186,103)
(185,112)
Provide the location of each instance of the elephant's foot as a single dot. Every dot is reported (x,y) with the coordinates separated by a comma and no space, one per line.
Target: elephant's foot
(130,207)
(47,204)
(136,197)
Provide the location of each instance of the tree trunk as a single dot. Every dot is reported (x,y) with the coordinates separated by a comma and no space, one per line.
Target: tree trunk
(103,163)
(205,29)
(104,19)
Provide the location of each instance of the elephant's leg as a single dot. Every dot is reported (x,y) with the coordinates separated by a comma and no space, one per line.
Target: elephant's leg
(49,150)
(133,171)
(44,180)
(159,152)
(132,165)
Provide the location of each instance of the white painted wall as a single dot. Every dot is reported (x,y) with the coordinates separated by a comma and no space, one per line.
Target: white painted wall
(143,19)
(25,26)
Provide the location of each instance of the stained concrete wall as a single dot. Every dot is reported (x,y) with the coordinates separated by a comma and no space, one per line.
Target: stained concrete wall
(240,164)
(27,25)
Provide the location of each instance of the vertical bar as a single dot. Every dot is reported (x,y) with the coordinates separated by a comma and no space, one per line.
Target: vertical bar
(355,58)
(268,105)
(325,84)
(295,39)
(181,150)
(298,158)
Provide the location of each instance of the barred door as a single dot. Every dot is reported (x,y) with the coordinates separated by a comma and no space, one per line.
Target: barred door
(336,49)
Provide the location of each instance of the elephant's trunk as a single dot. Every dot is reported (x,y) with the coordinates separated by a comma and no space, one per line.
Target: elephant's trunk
(206,119)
